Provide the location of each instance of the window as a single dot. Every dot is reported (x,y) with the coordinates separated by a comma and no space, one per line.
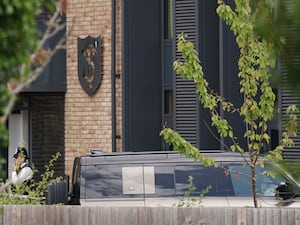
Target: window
(102,181)
(167,69)
(266,185)
(115,181)
(168,14)
(164,181)
(202,178)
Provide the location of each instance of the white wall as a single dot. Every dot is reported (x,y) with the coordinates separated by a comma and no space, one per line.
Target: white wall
(18,135)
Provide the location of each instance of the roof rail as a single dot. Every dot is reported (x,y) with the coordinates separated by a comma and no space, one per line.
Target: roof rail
(97,152)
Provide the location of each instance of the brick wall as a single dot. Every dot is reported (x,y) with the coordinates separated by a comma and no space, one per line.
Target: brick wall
(88,118)
(47,131)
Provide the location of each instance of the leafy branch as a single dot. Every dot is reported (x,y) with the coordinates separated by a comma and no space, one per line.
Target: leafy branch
(185,148)
(39,59)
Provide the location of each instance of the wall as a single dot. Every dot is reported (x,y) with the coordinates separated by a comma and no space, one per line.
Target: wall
(18,135)
(88,118)
(47,129)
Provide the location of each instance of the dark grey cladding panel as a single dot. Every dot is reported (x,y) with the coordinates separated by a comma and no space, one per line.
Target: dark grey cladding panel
(142,76)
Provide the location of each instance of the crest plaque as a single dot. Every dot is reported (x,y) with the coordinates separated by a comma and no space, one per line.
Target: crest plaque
(89,63)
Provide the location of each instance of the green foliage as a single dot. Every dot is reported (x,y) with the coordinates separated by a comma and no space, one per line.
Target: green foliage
(279,22)
(2,161)
(35,191)
(256,62)
(18,35)
(18,39)
(187,200)
(290,168)
(185,148)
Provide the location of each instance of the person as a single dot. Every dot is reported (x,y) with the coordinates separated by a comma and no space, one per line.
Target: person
(21,169)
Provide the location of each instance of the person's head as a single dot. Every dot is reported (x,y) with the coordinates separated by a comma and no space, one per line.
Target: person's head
(21,154)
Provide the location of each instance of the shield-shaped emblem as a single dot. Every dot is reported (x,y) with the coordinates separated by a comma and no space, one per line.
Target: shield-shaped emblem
(89,63)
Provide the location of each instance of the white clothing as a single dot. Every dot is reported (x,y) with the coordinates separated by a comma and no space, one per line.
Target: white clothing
(24,174)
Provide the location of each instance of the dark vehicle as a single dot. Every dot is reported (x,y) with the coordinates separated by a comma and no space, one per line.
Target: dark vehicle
(162,179)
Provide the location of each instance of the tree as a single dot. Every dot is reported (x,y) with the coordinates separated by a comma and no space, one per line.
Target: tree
(22,53)
(256,61)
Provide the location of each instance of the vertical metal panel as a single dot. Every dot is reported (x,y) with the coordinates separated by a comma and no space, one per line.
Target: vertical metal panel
(288,95)
(209,51)
(230,82)
(141,76)
(186,100)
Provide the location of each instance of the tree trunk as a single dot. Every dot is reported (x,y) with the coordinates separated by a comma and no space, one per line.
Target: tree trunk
(253,179)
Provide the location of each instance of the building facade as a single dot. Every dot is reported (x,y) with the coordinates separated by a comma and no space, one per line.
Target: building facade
(139,93)
(120,88)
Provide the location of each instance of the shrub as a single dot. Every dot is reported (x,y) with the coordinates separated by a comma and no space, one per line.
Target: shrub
(33,192)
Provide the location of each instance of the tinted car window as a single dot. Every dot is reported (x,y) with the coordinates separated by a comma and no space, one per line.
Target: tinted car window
(122,181)
(102,181)
(164,181)
(203,177)
(167,180)
(224,185)
(75,191)
(241,179)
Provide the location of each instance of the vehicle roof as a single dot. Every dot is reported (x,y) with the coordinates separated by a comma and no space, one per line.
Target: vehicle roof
(97,157)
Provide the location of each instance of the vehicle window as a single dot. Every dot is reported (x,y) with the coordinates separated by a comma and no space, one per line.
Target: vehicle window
(75,188)
(202,178)
(76,174)
(224,185)
(164,181)
(240,176)
(221,185)
(102,181)
(135,181)
(123,181)
(266,185)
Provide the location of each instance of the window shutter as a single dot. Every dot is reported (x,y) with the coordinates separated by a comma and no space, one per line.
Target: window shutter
(289,95)
(186,99)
